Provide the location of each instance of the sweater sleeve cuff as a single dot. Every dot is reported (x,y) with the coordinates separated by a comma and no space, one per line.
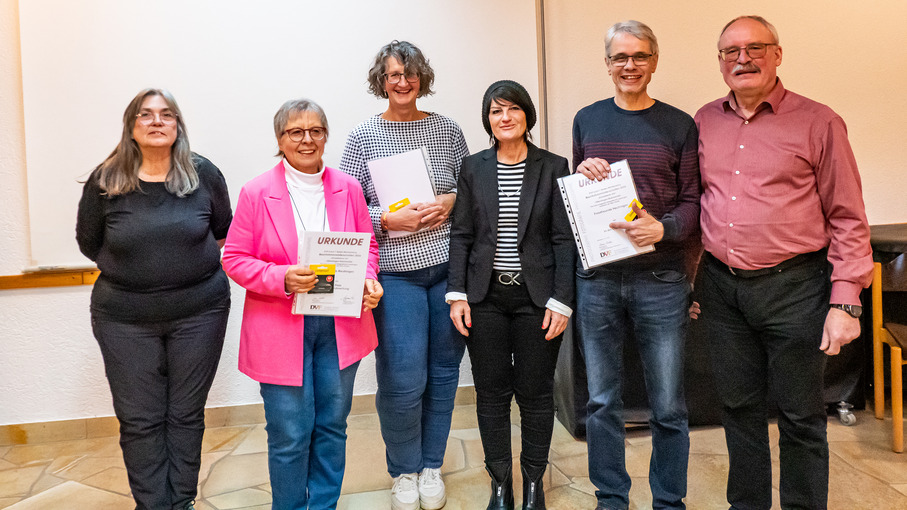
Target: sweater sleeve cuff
(845,293)
(672,229)
(556,306)
(450,297)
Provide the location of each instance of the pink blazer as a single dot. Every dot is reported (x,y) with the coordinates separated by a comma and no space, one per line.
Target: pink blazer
(261,244)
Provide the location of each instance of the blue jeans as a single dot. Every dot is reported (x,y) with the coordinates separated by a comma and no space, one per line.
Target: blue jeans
(653,306)
(306,424)
(418,367)
(764,336)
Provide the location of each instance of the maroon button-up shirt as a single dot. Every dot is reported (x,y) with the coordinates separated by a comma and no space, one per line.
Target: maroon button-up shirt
(782,183)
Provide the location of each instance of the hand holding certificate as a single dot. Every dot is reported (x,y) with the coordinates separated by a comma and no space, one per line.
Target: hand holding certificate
(402,180)
(593,205)
(338,261)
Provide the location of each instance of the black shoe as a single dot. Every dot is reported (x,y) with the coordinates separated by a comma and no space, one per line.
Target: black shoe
(189,506)
(501,490)
(533,492)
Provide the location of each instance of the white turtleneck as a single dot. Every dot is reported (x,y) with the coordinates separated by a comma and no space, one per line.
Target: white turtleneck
(307,199)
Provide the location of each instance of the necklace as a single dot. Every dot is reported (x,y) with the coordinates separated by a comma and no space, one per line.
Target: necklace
(299,216)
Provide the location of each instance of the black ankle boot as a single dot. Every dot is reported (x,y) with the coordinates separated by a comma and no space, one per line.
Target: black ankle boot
(501,490)
(533,492)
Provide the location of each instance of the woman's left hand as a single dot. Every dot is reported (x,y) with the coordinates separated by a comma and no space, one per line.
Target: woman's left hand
(555,323)
(371,294)
(437,212)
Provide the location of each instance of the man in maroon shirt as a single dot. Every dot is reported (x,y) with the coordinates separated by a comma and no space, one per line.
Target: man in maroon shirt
(787,253)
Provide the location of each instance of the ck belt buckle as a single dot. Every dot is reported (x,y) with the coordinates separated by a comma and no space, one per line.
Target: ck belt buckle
(508,278)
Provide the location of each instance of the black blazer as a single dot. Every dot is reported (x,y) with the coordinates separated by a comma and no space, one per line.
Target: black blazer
(544,239)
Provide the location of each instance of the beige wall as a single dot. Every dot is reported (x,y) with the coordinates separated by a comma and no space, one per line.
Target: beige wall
(849,55)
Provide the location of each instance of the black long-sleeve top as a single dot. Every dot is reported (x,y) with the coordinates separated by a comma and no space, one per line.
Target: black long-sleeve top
(157,252)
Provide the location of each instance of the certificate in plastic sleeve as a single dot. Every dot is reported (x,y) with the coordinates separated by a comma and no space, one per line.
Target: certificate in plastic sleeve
(400,180)
(338,260)
(592,205)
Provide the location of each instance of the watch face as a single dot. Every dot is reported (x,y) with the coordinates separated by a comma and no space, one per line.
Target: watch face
(854,311)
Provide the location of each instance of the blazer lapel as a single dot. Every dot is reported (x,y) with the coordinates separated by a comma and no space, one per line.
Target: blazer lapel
(336,198)
(487,189)
(530,186)
(280,211)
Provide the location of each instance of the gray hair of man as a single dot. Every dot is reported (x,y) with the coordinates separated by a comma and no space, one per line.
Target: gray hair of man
(635,28)
(119,173)
(292,108)
(771,28)
(413,62)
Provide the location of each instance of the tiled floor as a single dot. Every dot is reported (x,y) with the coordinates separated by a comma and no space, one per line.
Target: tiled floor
(89,473)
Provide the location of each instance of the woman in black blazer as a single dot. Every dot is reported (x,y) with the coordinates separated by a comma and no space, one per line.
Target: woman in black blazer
(510,286)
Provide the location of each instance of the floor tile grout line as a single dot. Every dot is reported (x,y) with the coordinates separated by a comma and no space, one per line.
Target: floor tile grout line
(855,468)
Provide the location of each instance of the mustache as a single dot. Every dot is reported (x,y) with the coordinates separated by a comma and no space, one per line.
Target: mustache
(749,67)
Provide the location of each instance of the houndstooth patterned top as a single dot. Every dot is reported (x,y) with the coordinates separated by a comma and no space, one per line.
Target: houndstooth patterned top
(378,138)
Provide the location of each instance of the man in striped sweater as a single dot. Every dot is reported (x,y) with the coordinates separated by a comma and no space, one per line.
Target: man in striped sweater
(646,295)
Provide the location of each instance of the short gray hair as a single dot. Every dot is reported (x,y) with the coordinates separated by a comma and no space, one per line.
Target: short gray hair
(292,108)
(413,61)
(635,28)
(771,28)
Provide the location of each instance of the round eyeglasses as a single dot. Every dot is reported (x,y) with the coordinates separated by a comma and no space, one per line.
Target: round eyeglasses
(146,118)
(394,78)
(298,134)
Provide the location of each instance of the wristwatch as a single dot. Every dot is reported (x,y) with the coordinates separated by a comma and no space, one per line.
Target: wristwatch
(854,311)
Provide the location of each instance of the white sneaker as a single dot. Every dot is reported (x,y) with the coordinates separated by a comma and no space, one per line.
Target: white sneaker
(431,489)
(405,493)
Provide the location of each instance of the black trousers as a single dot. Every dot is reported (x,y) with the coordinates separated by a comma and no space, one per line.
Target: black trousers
(510,357)
(764,335)
(159,375)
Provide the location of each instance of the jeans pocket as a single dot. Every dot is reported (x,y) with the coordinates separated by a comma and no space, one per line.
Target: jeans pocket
(669,276)
(585,274)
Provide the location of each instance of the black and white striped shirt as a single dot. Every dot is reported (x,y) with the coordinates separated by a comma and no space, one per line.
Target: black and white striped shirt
(510,182)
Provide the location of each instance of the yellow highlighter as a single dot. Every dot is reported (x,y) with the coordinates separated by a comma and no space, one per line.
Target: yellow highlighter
(632,214)
(396,206)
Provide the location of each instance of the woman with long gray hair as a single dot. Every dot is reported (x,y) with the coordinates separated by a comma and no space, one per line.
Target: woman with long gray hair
(153,216)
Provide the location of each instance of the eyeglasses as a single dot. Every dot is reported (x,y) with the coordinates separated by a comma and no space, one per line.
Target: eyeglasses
(298,134)
(640,59)
(753,50)
(146,118)
(394,78)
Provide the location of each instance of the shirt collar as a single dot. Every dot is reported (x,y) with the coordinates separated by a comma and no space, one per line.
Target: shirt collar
(772,101)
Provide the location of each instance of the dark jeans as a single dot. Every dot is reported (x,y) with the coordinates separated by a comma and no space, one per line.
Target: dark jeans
(417,364)
(159,375)
(510,357)
(653,306)
(764,335)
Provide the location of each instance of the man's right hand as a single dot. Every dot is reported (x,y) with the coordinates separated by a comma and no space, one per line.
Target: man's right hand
(594,168)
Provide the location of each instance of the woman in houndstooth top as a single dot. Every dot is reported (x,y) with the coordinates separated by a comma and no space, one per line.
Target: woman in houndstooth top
(418,356)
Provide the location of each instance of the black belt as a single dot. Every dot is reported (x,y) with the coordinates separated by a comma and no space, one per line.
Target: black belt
(507,277)
(803,258)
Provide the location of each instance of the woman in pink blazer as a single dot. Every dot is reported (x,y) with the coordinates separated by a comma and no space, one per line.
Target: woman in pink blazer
(306,365)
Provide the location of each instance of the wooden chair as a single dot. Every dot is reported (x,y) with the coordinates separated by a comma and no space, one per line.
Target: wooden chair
(895,335)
